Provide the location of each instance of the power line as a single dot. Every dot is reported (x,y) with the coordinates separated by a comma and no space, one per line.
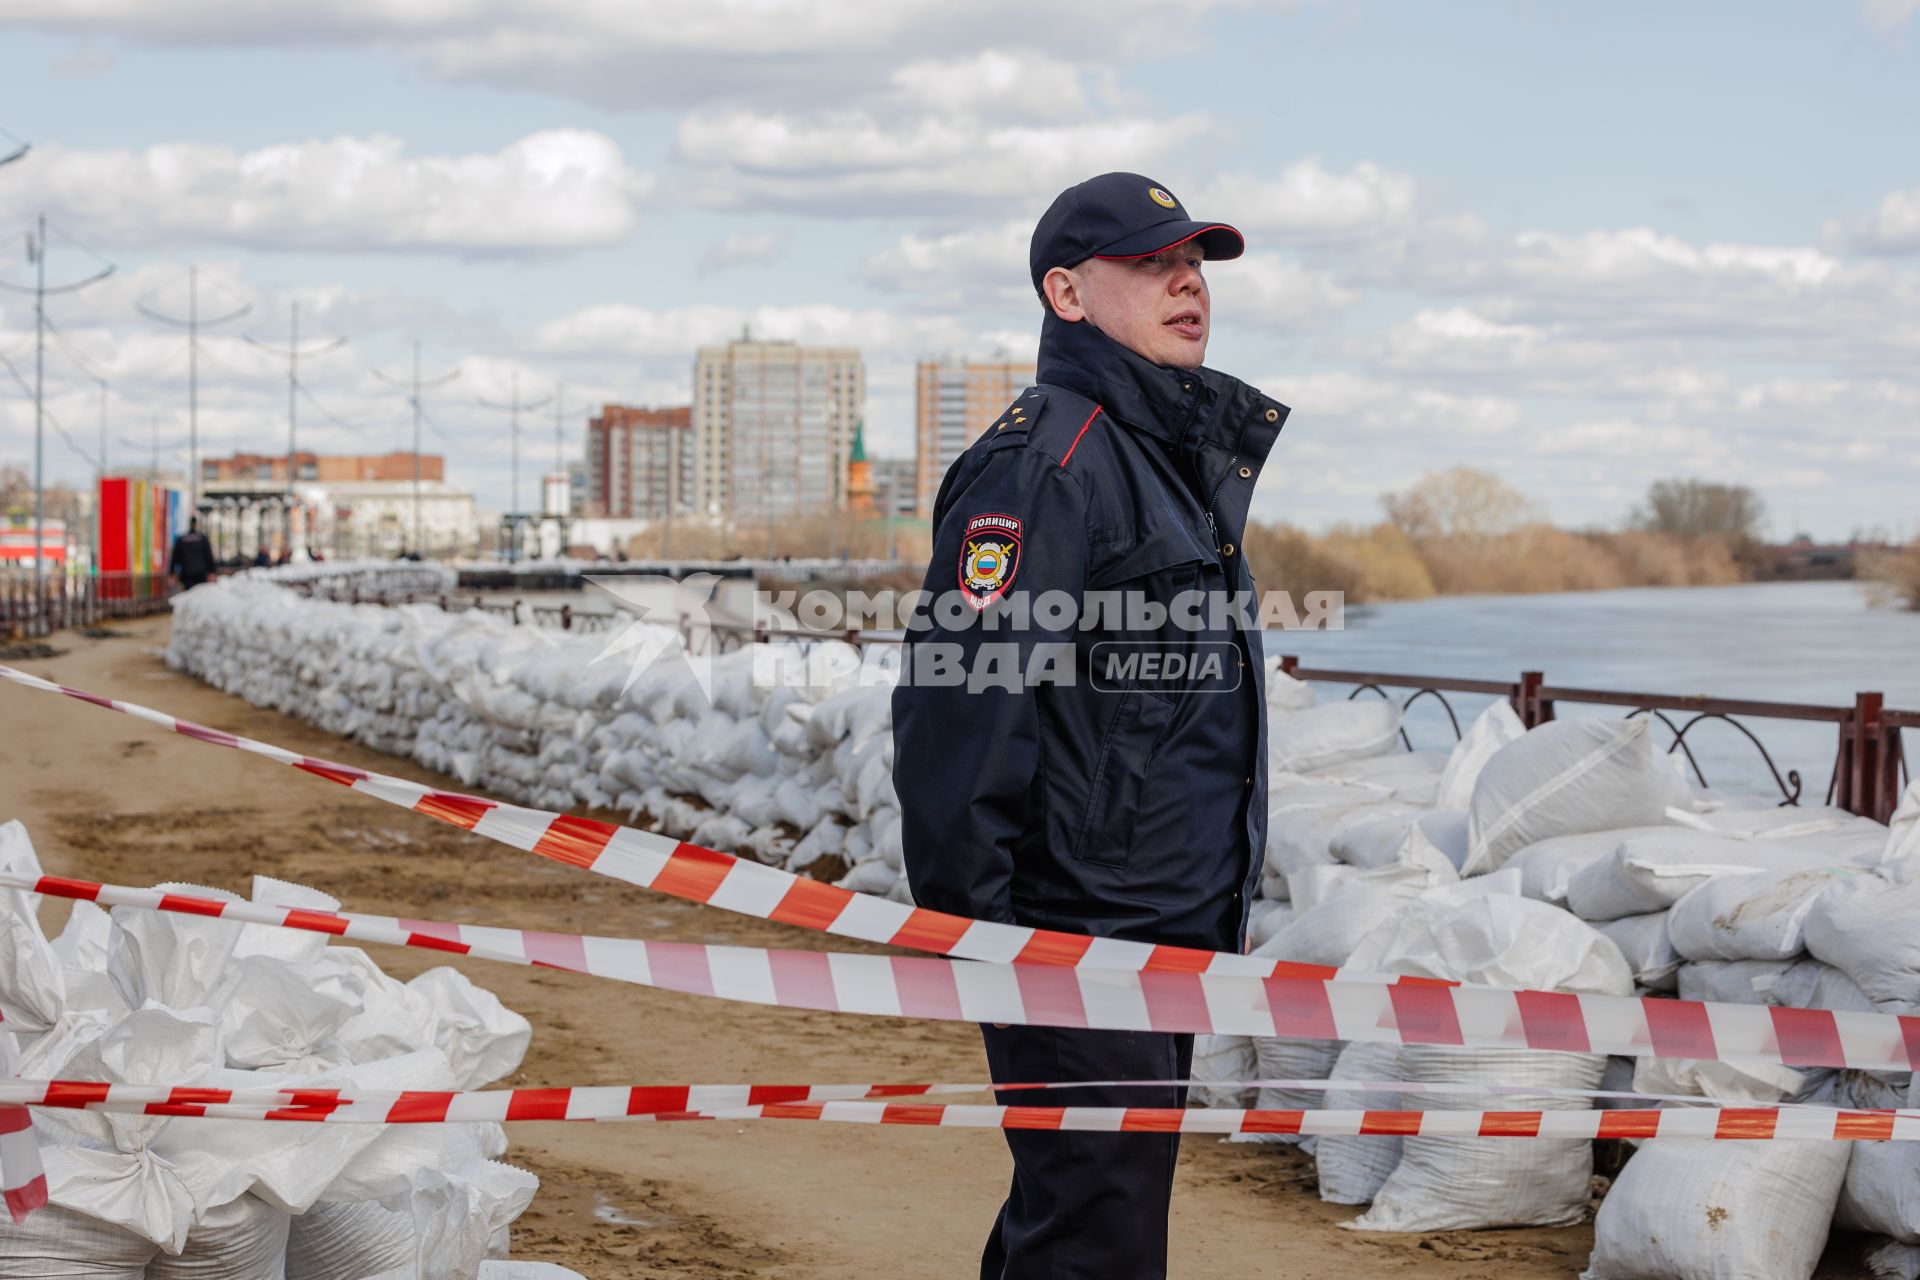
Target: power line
(24,147)
(51,420)
(192,324)
(515,405)
(37,255)
(293,354)
(414,388)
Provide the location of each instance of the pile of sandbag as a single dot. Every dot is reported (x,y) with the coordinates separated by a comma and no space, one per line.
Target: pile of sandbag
(794,768)
(1576,857)
(148,998)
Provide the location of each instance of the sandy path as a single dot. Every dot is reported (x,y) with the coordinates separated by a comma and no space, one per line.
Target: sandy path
(108,798)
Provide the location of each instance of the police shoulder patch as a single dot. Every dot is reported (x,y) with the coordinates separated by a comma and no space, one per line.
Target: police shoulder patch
(989,557)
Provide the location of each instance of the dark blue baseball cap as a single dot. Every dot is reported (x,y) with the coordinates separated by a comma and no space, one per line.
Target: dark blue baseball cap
(1119,215)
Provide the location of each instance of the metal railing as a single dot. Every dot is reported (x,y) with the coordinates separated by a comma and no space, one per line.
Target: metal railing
(1869,767)
(61,602)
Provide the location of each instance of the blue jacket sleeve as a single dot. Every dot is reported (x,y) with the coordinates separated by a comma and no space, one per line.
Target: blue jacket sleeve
(966,726)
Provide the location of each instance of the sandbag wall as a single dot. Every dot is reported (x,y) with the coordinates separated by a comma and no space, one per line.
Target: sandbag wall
(798,776)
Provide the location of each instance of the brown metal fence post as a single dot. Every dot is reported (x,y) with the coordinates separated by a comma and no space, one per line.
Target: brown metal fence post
(1533,710)
(1867,767)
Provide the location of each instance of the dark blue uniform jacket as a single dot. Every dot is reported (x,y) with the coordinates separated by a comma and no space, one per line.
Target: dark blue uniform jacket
(1129,800)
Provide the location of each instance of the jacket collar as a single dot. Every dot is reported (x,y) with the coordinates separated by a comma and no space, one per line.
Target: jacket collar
(1188,408)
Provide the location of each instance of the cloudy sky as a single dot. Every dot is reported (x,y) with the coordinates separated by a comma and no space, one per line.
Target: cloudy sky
(1582,246)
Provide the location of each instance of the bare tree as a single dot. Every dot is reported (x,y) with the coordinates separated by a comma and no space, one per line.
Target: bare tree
(1459,504)
(1694,510)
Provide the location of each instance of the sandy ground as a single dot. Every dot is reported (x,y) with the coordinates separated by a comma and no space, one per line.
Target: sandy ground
(108,798)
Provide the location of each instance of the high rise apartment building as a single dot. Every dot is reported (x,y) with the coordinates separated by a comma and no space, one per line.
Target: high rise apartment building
(956,400)
(773,426)
(636,458)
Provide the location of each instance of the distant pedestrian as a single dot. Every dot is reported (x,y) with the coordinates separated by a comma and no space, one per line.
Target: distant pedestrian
(262,559)
(191,560)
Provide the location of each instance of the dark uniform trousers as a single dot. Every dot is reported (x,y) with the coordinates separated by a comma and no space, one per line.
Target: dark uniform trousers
(1085,1206)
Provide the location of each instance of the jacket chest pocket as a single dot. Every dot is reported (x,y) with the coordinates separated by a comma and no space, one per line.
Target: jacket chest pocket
(1132,728)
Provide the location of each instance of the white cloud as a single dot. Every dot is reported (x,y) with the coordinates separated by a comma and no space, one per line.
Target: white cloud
(744,248)
(1307,204)
(1892,228)
(859,162)
(656,54)
(1890,15)
(561,189)
(995,83)
(1275,293)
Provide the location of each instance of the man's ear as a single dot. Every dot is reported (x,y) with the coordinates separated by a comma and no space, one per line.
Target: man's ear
(1063,294)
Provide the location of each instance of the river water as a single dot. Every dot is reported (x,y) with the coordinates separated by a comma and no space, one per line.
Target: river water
(1818,642)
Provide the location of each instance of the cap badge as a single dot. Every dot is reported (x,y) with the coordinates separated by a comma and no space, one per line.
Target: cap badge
(1160,197)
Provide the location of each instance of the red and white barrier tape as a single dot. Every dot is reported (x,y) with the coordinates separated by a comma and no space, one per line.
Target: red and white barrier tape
(23,1183)
(615,1103)
(1390,1012)
(708,876)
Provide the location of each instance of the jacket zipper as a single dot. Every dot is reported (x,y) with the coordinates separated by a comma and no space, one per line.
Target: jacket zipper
(1213,499)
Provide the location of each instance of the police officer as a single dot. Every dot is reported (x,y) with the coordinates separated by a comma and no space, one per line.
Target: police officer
(1079,727)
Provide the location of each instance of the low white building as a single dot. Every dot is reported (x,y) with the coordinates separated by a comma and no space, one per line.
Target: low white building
(348,519)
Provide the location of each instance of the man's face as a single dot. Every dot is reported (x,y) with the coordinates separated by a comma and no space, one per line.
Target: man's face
(1156,306)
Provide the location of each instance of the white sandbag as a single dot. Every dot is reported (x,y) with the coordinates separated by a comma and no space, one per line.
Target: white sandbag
(1563,778)
(1651,873)
(277,1016)
(1324,735)
(243,1239)
(1547,867)
(1393,770)
(1456,1184)
(1697,1209)
(104,1165)
(1296,841)
(1894,1261)
(1758,915)
(1649,951)
(295,946)
(1328,932)
(1865,928)
(57,1243)
(1492,729)
(332,1241)
(1738,1084)
(1223,1058)
(527,1271)
(1296,793)
(1465,1183)
(1882,1191)
(482,1038)
(1767,822)
(1284,693)
(33,992)
(1266,917)
(174,959)
(1786,984)
(393,1019)
(290,1166)
(461,1216)
(1407,837)
(1903,829)
(1498,941)
(1289,1058)
(1352,1168)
